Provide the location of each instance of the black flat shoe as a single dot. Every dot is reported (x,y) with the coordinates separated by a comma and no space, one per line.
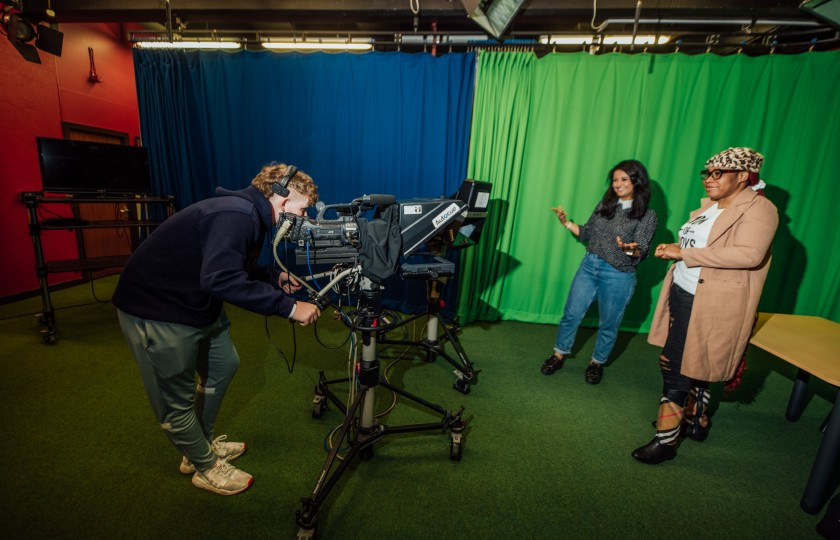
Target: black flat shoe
(594,373)
(551,365)
(655,452)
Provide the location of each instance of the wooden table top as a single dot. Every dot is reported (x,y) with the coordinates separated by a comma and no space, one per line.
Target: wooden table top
(809,343)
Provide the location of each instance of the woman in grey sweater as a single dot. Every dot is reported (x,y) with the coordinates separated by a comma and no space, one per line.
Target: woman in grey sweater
(617,237)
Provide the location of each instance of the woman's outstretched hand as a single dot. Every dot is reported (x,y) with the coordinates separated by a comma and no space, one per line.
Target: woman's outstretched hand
(630,249)
(668,252)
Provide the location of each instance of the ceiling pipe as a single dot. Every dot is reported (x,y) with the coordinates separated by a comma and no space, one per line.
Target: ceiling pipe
(739,22)
(168,22)
(168,32)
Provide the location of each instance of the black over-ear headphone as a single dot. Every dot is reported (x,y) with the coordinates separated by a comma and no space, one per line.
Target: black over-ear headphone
(280,187)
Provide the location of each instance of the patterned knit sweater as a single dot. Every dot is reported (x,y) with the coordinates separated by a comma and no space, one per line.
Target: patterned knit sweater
(599,233)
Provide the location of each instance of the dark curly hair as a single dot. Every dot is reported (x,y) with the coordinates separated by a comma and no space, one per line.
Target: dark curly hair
(641,190)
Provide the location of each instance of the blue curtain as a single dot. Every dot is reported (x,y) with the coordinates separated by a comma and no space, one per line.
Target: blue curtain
(392,123)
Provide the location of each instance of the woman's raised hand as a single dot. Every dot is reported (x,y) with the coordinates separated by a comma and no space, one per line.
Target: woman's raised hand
(561,214)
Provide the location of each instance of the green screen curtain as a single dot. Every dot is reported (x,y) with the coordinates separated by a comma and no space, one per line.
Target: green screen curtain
(547,131)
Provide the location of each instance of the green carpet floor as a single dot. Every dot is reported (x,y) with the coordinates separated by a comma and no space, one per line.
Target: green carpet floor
(544,457)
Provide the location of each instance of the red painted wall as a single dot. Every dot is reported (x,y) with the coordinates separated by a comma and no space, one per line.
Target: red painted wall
(34,100)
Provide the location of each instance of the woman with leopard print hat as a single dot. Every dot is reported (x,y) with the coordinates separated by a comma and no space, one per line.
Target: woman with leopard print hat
(707,306)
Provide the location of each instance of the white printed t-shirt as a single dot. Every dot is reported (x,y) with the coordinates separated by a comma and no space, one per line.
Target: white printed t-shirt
(694,234)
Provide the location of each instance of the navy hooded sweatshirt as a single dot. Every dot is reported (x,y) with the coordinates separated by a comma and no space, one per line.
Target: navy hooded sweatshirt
(201,257)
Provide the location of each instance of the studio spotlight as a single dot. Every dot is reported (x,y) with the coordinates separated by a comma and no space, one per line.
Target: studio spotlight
(19,29)
(21,32)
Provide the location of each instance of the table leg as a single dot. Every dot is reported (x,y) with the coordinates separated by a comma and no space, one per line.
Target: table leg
(821,473)
(797,396)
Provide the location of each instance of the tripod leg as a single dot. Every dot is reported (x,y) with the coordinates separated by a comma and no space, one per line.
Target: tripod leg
(462,354)
(367,424)
(307,518)
(368,378)
(432,338)
(456,438)
(433,308)
(464,372)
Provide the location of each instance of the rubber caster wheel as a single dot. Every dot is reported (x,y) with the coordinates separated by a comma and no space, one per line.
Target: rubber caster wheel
(48,338)
(462,386)
(318,409)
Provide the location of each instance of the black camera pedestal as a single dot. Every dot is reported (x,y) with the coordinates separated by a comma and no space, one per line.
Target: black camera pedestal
(464,372)
(360,427)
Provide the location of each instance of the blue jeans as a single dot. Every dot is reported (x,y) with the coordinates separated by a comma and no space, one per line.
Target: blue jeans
(596,279)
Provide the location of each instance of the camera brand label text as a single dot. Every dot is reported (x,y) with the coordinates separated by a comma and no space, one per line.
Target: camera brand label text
(444,216)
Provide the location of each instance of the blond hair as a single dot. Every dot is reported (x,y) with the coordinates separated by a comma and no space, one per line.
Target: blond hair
(273,173)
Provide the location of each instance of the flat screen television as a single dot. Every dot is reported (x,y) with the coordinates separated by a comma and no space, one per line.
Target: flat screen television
(92,167)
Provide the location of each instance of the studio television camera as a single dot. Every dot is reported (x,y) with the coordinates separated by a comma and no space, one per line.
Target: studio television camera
(392,240)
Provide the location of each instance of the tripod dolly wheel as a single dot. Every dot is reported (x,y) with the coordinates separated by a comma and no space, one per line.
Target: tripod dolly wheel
(319,405)
(462,385)
(48,337)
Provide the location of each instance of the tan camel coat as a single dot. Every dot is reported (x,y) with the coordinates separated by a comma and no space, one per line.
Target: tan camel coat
(734,266)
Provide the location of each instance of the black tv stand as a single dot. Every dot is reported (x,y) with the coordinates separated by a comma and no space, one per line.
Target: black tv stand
(134,216)
(63,222)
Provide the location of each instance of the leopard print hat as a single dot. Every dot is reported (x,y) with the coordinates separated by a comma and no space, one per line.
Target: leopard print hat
(739,159)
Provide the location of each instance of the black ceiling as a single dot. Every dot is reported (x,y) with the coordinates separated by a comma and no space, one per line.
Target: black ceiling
(753,26)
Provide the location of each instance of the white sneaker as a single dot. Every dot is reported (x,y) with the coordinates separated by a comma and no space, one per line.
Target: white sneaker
(229,450)
(222,448)
(223,478)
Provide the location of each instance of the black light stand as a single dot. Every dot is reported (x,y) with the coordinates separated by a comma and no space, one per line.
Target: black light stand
(359,418)
(433,346)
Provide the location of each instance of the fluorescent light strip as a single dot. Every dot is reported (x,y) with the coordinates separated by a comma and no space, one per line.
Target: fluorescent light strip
(608,40)
(188,44)
(316,46)
(640,40)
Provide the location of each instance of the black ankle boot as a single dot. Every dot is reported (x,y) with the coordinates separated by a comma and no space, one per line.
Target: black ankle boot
(695,415)
(695,431)
(655,452)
